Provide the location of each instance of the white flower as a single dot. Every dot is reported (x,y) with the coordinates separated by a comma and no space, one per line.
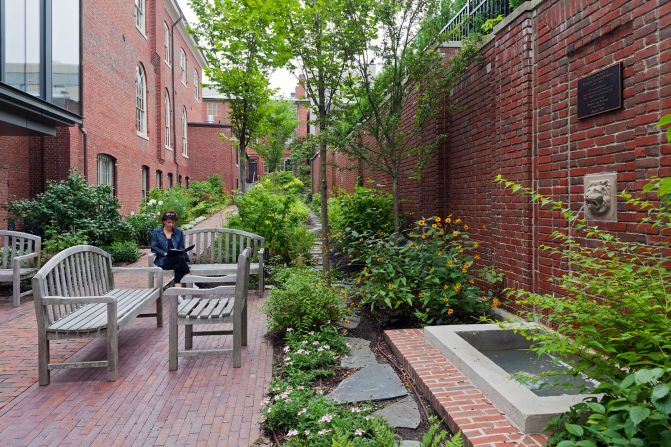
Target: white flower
(132,213)
(359,432)
(307,432)
(290,329)
(320,349)
(160,202)
(311,332)
(286,349)
(315,343)
(326,418)
(300,387)
(292,432)
(368,418)
(356,410)
(323,432)
(327,347)
(302,411)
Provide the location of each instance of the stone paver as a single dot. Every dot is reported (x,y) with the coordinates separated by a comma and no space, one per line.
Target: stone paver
(205,402)
(410,444)
(401,414)
(462,405)
(360,354)
(375,382)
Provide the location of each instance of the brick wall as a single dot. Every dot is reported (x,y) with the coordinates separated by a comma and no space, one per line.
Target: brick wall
(214,155)
(516,114)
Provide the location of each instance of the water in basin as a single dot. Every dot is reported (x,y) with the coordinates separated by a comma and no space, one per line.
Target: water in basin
(515,361)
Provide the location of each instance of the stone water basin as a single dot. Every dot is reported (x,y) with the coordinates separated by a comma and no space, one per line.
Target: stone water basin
(489,355)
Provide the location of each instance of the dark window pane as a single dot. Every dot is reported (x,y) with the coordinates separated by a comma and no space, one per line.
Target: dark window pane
(22,33)
(65,54)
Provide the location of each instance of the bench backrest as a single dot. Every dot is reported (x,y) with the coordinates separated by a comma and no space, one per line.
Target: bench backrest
(221,245)
(15,243)
(82,270)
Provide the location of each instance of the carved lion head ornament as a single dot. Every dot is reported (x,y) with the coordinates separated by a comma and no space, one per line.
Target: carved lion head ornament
(598,197)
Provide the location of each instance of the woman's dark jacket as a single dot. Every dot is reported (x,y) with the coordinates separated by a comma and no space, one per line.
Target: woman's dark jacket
(159,243)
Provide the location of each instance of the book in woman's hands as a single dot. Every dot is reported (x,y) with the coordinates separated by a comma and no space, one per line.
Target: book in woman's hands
(179,251)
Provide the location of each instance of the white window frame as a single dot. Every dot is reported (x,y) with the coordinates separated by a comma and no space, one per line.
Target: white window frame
(182,66)
(141,16)
(140,101)
(196,85)
(105,170)
(166,44)
(185,138)
(212,104)
(168,124)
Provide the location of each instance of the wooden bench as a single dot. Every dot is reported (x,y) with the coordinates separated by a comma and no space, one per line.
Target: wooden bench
(75,297)
(19,260)
(223,304)
(217,249)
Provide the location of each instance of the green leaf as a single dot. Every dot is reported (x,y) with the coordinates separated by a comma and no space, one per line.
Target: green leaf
(566,444)
(660,391)
(596,407)
(638,414)
(575,430)
(665,120)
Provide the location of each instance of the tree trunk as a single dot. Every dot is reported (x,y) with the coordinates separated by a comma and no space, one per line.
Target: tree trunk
(323,194)
(241,168)
(397,207)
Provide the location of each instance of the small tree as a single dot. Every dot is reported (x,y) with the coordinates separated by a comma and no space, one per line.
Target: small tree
(276,130)
(324,43)
(243,43)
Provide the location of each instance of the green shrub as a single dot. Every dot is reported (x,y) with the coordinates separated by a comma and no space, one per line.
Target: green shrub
(126,251)
(56,241)
(311,355)
(74,206)
(211,192)
(302,301)
(283,182)
(174,199)
(141,225)
(611,323)
(426,275)
(279,218)
(355,218)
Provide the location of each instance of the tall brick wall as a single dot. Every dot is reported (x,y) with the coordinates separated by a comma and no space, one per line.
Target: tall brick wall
(215,155)
(516,114)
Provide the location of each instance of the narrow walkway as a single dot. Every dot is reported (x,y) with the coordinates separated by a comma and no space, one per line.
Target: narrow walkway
(206,402)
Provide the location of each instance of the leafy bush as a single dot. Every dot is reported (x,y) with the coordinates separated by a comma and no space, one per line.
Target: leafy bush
(301,300)
(612,323)
(210,192)
(316,204)
(174,199)
(56,241)
(141,226)
(357,217)
(283,182)
(310,355)
(426,275)
(279,218)
(125,251)
(74,206)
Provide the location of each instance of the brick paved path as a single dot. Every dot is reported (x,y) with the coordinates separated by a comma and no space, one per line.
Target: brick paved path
(205,402)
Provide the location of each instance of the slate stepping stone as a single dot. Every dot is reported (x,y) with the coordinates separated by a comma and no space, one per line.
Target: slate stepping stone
(354,321)
(360,354)
(402,414)
(410,444)
(375,382)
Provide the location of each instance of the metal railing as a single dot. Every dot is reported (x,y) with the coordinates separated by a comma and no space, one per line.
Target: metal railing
(473,14)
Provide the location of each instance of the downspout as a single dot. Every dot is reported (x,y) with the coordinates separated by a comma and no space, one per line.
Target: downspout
(174,98)
(82,128)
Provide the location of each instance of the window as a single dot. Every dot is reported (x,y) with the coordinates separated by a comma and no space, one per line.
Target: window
(105,168)
(139,15)
(166,43)
(187,182)
(170,181)
(182,66)
(211,110)
(145,182)
(237,159)
(168,115)
(140,101)
(196,85)
(287,164)
(179,181)
(185,128)
(159,179)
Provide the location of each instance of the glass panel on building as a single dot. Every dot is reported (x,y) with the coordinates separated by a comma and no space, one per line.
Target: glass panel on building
(22,24)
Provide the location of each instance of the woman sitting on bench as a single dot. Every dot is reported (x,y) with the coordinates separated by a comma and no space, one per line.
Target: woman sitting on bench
(164,243)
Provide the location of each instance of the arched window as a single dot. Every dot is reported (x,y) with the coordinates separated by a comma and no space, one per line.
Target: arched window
(159,179)
(145,182)
(182,66)
(187,182)
(170,180)
(166,43)
(196,85)
(140,15)
(140,101)
(168,116)
(185,140)
(105,165)
(179,181)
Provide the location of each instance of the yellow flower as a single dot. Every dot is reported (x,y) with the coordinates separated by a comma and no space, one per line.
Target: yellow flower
(458,221)
(455,233)
(450,263)
(446,287)
(475,245)
(343,292)
(465,269)
(496,303)
(434,226)
(476,256)
(437,219)
(450,311)
(465,227)
(448,220)
(446,300)
(457,286)
(424,236)
(484,298)
(471,281)
(390,286)
(421,222)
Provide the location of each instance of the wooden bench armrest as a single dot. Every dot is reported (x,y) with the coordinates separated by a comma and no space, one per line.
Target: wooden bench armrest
(191,279)
(16,260)
(211,294)
(52,300)
(156,271)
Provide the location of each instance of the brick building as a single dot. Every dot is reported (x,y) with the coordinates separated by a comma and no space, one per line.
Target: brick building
(117,111)
(516,114)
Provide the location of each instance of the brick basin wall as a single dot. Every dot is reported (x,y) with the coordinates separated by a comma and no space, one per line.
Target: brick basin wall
(515,114)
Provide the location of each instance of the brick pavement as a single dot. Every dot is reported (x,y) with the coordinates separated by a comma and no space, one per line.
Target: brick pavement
(206,402)
(453,396)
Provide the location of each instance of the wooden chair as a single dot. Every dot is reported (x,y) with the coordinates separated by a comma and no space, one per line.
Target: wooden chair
(19,259)
(75,297)
(216,252)
(223,304)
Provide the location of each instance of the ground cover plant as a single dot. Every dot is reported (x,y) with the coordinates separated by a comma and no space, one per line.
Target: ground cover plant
(425,274)
(612,322)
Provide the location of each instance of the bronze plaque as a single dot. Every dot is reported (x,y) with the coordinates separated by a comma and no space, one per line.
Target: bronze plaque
(600,92)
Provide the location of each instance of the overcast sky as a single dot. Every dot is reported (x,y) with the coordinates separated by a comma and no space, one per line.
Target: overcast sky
(281,79)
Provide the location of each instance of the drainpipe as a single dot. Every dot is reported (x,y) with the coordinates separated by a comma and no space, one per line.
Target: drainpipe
(85,136)
(82,128)
(174,98)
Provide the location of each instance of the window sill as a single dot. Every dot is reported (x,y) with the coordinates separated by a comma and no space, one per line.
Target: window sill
(185,156)
(141,31)
(144,136)
(168,148)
